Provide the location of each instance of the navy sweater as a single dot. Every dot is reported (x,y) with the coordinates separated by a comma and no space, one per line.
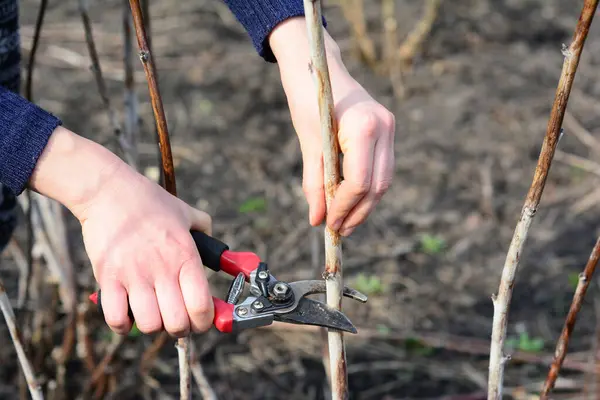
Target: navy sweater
(25,128)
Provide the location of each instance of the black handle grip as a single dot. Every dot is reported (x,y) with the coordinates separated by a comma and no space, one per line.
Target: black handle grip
(210,249)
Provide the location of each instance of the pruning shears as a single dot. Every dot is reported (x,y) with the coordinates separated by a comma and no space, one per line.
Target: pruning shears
(269,300)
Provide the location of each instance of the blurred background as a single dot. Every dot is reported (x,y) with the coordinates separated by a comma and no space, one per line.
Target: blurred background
(471,90)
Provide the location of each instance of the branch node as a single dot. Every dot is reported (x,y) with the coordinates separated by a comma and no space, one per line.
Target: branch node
(566,51)
(144,56)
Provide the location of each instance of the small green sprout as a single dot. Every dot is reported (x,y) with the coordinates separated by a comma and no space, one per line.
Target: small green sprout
(253,204)
(431,244)
(369,285)
(525,343)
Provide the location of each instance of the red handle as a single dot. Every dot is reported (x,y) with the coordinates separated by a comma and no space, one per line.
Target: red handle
(234,262)
(223,318)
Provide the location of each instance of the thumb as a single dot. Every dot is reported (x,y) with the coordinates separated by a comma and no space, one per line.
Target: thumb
(312,185)
(200,221)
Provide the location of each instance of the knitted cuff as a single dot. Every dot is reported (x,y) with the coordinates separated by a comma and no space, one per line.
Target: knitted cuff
(24,132)
(260,17)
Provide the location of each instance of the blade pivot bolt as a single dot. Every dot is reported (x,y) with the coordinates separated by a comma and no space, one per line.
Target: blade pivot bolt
(258,305)
(263,274)
(281,291)
(242,311)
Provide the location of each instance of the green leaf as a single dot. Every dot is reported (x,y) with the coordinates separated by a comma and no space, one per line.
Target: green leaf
(369,285)
(431,244)
(253,204)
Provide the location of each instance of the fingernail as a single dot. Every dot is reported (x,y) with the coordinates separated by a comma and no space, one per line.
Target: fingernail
(336,225)
(346,231)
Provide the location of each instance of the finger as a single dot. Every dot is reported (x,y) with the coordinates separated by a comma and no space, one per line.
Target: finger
(172,308)
(312,185)
(201,221)
(382,176)
(196,295)
(115,306)
(143,303)
(357,167)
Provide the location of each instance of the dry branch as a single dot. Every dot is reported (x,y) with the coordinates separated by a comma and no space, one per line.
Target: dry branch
(131,126)
(183,345)
(563,342)
(502,300)
(101,83)
(9,316)
(354,12)
(331,163)
(204,387)
(417,36)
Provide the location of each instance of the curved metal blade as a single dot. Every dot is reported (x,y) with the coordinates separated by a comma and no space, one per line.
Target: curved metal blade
(313,312)
(308,287)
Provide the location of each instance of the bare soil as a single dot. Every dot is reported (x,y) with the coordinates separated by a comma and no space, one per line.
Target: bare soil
(469,133)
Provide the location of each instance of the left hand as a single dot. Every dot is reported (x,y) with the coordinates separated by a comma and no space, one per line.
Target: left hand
(365,132)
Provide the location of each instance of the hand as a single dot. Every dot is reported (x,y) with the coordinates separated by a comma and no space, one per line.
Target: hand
(137,237)
(365,132)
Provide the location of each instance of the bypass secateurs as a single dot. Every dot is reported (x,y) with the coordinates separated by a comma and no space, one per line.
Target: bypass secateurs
(269,299)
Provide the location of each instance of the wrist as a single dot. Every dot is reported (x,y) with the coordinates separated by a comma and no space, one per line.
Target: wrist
(74,170)
(289,42)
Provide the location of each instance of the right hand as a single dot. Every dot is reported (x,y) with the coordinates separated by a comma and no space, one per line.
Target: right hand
(137,236)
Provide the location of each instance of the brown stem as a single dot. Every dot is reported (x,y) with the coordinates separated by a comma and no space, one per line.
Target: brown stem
(157,106)
(501,302)
(563,342)
(331,163)
(183,345)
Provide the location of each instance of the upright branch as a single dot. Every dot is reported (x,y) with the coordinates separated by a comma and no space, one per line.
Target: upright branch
(563,342)
(9,316)
(131,126)
(501,301)
(333,245)
(101,83)
(183,345)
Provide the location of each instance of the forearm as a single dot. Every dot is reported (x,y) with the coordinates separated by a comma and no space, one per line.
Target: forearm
(73,170)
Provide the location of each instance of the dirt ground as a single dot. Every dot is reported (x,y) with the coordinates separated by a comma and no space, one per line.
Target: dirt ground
(468,137)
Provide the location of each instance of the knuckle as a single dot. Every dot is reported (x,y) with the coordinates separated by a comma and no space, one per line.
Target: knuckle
(149,326)
(388,120)
(118,324)
(361,188)
(367,124)
(178,328)
(382,187)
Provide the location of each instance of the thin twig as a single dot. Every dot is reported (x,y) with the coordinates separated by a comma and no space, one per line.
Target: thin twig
(183,344)
(578,162)
(101,83)
(572,125)
(131,101)
(502,300)
(204,387)
(563,342)
(331,163)
(9,316)
(411,45)
(354,12)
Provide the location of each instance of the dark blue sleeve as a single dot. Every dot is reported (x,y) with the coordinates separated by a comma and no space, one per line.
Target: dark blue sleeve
(24,132)
(260,17)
